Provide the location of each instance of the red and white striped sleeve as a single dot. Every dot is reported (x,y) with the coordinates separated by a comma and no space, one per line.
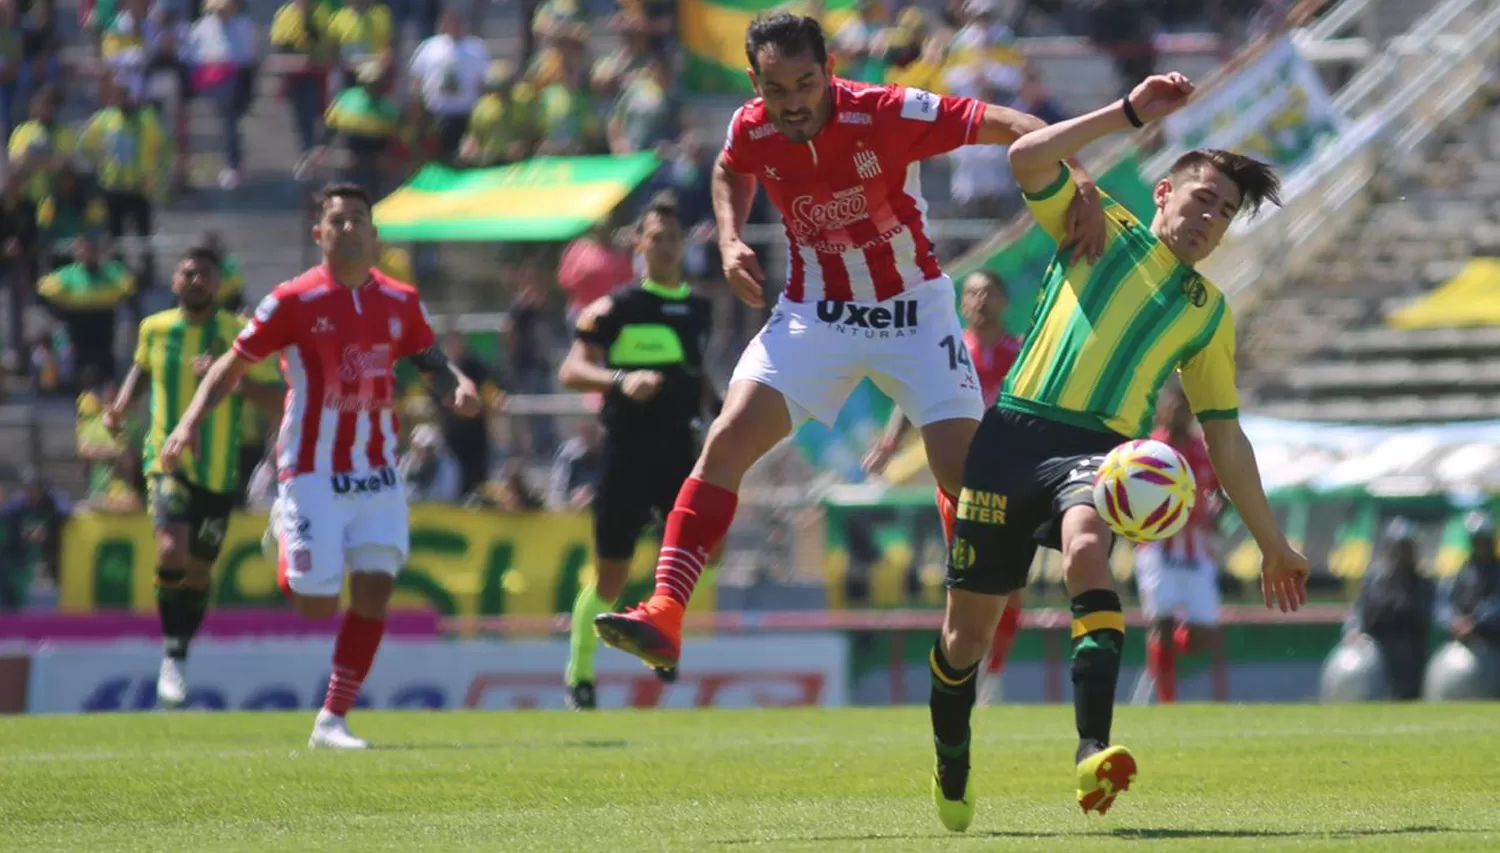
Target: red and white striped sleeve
(918,124)
(269,330)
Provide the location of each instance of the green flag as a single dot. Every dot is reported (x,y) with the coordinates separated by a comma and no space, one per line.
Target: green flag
(545,198)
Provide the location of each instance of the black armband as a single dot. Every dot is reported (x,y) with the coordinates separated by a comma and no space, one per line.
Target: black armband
(433,364)
(1130,114)
(430,360)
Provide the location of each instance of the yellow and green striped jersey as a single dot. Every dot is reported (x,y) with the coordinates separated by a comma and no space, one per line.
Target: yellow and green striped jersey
(168,345)
(1105,336)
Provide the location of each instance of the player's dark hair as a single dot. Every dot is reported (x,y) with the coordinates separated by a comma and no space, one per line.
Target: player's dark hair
(1258,182)
(664,205)
(790,35)
(342,190)
(203,254)
(993,279)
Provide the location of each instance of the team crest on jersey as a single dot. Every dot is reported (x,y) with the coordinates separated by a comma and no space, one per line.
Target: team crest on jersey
(322,326)
(1195,290)
(866,164)
(395,328)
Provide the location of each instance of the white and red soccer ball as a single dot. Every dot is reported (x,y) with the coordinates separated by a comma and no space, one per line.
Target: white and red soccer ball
(1145,490)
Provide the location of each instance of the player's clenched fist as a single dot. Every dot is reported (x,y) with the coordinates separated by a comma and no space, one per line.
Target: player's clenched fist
(742,269)
(1160,95)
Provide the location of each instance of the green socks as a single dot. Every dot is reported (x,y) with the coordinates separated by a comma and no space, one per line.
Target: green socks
(582,643)
(182,611)
(1098,639)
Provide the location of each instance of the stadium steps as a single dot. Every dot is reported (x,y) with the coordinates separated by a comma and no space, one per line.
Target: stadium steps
(1318,348)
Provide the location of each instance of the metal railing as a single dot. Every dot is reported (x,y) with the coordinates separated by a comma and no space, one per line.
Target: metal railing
(1396,102)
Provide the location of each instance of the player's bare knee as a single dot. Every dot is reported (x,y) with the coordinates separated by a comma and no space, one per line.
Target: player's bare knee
(610,578)
(969,626)
(732,446)
(947,446)
(171,551)
(316,608)
(370,592)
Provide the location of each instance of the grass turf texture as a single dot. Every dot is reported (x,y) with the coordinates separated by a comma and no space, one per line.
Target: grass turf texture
(1219,778)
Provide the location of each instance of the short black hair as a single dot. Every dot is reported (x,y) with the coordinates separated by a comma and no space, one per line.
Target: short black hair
(203,254)
(664,205)
(342,190)
(790,35)
(1258,182)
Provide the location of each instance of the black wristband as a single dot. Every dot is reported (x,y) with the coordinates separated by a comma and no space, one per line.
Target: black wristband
(1135,120)
(618,382)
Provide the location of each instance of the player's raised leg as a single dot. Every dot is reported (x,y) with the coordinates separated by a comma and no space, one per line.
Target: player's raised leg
(754,418)
(1104,771)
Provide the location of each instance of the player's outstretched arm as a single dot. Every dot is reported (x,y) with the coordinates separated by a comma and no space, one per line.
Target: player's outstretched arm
(447,381)
(886,444)
(217,384)
(1283,570)
(114,416)
(1034,158)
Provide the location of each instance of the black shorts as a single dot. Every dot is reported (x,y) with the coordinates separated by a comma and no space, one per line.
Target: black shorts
(176,501)
(638,485)
(1023,473)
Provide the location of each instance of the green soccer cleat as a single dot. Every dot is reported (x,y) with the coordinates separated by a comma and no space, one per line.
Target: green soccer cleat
(953,779)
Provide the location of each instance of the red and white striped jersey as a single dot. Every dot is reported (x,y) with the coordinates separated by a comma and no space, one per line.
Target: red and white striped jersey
(1195,541)
(339,347)
(851,197)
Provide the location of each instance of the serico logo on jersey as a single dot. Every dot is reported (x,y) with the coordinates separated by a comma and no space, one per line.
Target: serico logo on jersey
(373,483)
(809,218)
(871,321)
(359,363)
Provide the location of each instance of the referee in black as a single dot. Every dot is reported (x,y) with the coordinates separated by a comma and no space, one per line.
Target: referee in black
(642,347)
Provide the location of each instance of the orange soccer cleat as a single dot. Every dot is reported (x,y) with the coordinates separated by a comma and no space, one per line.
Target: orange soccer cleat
(651,632)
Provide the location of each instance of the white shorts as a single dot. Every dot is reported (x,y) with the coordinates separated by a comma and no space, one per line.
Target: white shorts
(1177,586)
(320,519)
(911,347)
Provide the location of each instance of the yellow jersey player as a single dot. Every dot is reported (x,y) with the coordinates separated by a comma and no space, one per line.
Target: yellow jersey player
(1105,335)
(190,503)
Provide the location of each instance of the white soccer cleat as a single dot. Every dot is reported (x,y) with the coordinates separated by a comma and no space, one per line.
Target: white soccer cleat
(332,732)
(171,684)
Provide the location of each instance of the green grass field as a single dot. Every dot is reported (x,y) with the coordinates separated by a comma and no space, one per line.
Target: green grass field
(1215,778)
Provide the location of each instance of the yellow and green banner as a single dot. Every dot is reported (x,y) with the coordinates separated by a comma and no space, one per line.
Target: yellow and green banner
(1471,298)
(542,199)
(463,562)
(713,37)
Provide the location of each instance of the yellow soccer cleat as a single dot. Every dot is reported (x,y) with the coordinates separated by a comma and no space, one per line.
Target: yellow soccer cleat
(1104,776)
(956,815)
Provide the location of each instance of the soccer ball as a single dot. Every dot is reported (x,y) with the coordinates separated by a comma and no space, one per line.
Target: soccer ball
(1145,490)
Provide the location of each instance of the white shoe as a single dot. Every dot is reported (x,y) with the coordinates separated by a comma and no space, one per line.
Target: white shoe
(229,179)
(332,732)
(171,684)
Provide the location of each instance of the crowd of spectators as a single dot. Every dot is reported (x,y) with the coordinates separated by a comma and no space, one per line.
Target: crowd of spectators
(375,91)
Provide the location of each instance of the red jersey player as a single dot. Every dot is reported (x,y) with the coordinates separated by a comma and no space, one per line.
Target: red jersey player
(864,298)
(1179,577)
(339,328)
(992,350)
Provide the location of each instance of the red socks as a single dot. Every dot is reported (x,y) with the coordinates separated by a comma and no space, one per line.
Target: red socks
(947,511)
(353,652)
(1161,660)
(696,525)
(1005,633)
(283,582)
